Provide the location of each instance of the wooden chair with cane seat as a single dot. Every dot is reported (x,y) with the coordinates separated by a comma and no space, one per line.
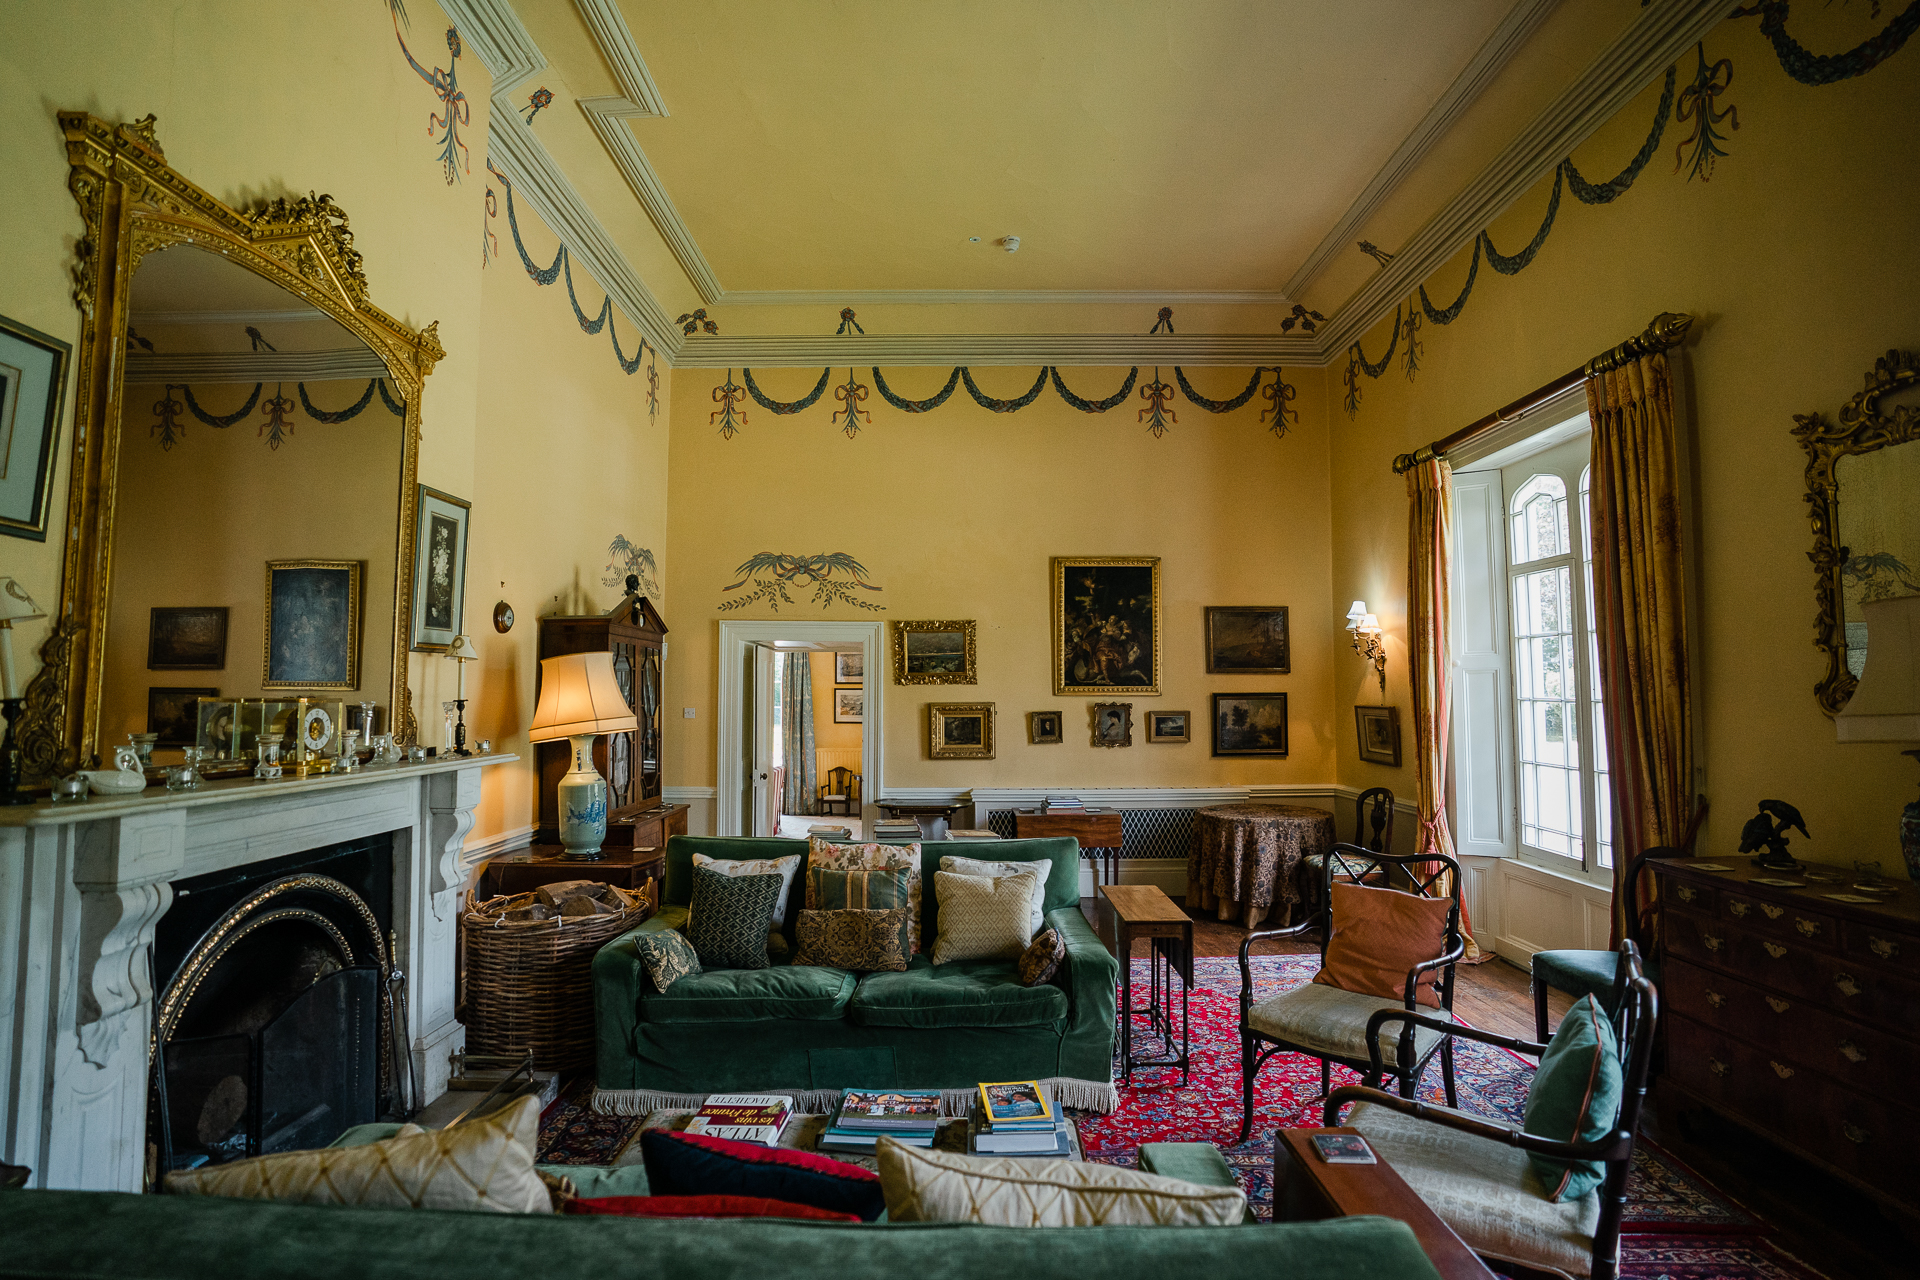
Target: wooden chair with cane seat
(1478,1176)
(1330,1022)
(1597,973)
(840,793)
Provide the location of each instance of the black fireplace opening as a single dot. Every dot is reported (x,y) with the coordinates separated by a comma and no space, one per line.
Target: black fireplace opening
(279,1023)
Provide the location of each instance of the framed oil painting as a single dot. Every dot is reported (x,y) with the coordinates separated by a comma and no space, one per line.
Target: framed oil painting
(1248,640)
(33,375)
(1379,730)
(960,730)
(933,653)
(849,668)
(1043,728)
(1169,726)
(1106,625)
(187,639)
(1249,724)
(174,714)
(849,706)
(439,570)
(1112,724)
(313,624)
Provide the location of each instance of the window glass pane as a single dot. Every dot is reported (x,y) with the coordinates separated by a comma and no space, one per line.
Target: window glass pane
(1547,721)
(1540,519)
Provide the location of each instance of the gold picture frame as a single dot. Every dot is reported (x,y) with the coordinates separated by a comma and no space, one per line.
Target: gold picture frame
(1105,641)
(323,597)
(926,652)
(960,730)
(1169,726)
(1044,728)
(1111,724)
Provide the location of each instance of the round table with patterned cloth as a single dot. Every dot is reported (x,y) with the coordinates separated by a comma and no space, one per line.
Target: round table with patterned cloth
(1245,855)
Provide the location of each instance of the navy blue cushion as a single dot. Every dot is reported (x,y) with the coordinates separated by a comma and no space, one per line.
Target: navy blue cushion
(693,1164)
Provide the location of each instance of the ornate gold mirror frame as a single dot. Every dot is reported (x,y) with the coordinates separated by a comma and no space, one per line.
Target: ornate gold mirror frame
(133,204)
(1862,428)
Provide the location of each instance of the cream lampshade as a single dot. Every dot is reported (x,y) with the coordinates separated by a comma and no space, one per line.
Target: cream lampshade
(1885,706)
(15,606)
(579,700)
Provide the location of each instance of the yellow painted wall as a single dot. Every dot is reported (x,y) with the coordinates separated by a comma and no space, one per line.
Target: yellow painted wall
(1799,259)
(827,735)
(955,513)
(196,524)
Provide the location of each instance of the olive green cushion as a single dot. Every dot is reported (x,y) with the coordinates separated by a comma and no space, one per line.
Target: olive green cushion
(1199,1162)
(960,993)
(1574,1097)
(796,991)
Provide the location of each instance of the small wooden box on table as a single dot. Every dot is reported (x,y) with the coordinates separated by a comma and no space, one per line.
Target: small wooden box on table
(1097,830)
(1143,911)
(1307,1188)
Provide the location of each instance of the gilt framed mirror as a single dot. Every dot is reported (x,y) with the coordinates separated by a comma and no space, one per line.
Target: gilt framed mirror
(1863,472)
(240,399)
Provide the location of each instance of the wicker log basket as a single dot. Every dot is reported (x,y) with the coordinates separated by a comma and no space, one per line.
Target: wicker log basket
(529,982)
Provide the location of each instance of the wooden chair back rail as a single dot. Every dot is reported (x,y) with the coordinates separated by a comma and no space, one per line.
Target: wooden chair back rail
(1374,809)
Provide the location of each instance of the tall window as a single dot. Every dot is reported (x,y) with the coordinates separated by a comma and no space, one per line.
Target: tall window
(1560,758)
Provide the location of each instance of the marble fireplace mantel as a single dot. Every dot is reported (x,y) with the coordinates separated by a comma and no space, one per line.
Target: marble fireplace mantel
(83,883)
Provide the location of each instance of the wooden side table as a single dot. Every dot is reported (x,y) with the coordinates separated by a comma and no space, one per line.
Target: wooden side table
(1097,830)
(1143,911)
(1307,1188)
(640,869)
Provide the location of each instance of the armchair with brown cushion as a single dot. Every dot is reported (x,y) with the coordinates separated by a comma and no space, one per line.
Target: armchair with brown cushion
(1380,949)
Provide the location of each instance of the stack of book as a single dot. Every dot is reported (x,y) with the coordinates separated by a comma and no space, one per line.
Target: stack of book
(967,833)
(1062,804)
(864,1116)
(885,829)
(744,1117)
(1015,1118)
(826,832)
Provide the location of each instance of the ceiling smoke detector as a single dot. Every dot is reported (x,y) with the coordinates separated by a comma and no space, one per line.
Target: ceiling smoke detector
(1011,244)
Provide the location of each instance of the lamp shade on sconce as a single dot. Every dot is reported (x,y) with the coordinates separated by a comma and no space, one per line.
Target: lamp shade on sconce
(1885,706)
(578,694)
(1368,626)
(1356,614)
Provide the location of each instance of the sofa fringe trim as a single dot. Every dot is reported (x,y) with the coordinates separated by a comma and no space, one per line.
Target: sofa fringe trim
(1088,1095)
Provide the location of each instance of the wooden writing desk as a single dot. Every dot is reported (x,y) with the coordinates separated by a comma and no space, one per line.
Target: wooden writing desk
(1307,1188)
(1097,830)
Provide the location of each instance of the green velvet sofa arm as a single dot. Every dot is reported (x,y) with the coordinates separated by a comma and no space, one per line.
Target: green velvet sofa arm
(618,980)
(1091,976)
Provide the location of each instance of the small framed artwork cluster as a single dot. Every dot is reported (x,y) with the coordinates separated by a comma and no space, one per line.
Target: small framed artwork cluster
(849,693)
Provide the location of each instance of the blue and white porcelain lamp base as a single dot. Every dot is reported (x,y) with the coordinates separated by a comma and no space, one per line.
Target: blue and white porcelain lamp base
(583,804)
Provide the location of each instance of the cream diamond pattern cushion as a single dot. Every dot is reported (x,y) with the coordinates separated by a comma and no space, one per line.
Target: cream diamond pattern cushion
(935,1186)
(485,1165)
(980,867)
(982,918)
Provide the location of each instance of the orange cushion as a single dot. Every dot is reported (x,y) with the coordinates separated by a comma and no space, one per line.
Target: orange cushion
(1379,934)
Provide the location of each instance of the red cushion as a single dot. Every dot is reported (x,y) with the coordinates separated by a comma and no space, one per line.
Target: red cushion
(693,1164)
(703,1207)
(1379,934)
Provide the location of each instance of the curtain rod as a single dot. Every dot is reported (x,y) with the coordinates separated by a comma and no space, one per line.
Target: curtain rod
(1668,329)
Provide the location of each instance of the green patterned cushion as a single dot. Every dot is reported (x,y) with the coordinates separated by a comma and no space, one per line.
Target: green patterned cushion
(730,918)
(858,941)
(860,889)
(666,956)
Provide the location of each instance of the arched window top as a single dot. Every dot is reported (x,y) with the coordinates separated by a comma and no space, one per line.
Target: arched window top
(1540,519)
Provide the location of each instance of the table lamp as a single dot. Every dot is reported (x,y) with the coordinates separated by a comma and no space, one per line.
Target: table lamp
(579,701)
(15,606)
(1885,706)
(461,651)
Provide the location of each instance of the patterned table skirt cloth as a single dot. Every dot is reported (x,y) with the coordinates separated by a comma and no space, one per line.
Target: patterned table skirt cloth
(1245,858)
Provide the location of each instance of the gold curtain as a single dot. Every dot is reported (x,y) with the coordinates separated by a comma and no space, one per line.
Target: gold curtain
(1640,609)
(1429,572)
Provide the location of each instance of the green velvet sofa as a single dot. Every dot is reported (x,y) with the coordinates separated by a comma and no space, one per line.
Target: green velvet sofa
(99,1234)
(813,1031)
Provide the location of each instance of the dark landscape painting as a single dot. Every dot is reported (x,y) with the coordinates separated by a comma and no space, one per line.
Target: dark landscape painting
(1247,638)
(960,731)
(174,714)
(187,639)
(1106,616)
(936,652)
(1249,724)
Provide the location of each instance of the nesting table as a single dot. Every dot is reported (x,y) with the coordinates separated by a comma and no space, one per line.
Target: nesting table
(1143,911)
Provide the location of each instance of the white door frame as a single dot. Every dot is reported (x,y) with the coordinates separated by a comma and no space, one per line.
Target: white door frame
(730,714)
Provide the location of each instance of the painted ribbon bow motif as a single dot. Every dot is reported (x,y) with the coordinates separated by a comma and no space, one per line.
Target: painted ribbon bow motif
(771,573)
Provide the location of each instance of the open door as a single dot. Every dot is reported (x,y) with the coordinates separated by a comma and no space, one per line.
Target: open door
(763,800)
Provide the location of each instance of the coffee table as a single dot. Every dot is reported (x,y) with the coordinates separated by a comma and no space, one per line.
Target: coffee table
(1306,1188)
(803,1134)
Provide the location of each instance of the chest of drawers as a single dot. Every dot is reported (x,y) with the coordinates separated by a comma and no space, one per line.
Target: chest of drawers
(1798,1014)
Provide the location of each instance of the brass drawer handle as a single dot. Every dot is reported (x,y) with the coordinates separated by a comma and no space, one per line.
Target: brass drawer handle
(1884,949)
(1848,987)
(1774,949)
(1851,1051)
(1715,999)
(1712,943)
(1780,1069)
(1716,1066)
(1686,892)
(1738,908)
(1778,1005)
(1854,1133)
(1772,912)
(1806,928)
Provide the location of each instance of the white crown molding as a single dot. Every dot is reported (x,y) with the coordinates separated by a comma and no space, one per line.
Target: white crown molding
(498,38)
(293,316)
(1513,32)
(977,349)
(1000,297)
(1647,48)
(615,38)
(199,368)
(646,186)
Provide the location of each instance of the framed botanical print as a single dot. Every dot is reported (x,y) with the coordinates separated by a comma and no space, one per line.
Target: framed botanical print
(849,668)
(187,639)
(1248,640)
(439,570)
(1043,727)
(1249,724)
(1379,730)
(1112,724)
(1106,625)
(933,652)
(960,730)
(313,624)
(1169,726)
(174,714)
(849,705)
(33,376)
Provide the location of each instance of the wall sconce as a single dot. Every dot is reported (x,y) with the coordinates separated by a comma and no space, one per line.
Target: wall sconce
(1366,640)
